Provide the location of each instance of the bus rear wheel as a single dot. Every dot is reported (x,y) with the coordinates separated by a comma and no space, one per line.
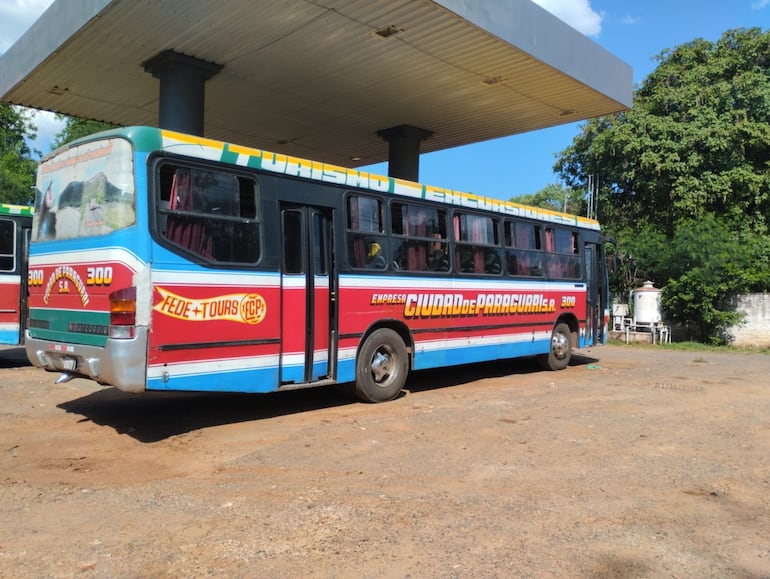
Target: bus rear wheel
(560,352)
(381,366)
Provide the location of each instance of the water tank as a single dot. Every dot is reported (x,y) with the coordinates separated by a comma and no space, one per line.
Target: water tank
(647,304)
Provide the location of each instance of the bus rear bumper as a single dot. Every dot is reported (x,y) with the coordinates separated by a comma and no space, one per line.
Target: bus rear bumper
(120,363)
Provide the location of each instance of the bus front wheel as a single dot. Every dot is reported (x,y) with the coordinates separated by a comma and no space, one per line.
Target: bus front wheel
(560,352)
(381,366)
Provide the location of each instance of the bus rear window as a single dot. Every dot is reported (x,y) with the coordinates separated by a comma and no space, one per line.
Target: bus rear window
(84,191)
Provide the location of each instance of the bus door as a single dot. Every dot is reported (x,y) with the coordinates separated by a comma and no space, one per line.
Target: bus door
(14,251)
(26,232)
(596,290)
(308,290)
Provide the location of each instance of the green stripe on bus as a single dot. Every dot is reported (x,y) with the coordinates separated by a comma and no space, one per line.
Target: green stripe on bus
(69,326)
(7,209)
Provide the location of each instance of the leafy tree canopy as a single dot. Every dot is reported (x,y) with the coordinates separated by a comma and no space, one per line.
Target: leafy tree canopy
(556,198)
(17,167)
(684,176)
(697,139)
(75,127)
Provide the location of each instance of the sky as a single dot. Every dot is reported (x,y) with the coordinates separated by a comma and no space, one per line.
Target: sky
(636,31)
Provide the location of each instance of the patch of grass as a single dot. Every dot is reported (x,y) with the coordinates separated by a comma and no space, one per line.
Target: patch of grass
(695,347)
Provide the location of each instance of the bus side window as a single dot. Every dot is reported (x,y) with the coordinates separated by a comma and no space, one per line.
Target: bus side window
(366,233)
(213,214)
(236,239)
(492,261)
(419,238)
(7,242)
(247,196)
(246,241)
(476,244)
(293,233)
(563,259)
(186,230)
(523,249)
(416,252)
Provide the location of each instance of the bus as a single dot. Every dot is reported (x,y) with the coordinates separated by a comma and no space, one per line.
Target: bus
(15,227)
(167,262)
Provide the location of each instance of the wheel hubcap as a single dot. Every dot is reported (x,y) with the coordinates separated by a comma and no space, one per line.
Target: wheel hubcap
(559,345)
(381,365)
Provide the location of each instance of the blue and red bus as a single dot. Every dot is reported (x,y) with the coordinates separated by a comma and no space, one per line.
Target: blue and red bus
(15,225)
(161,261)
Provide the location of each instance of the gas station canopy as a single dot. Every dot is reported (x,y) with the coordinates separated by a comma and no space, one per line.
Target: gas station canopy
(320,79)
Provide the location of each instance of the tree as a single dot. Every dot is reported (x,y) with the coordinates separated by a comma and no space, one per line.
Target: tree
(75,127)
(684,176)
(697,139)
(17,167)
(637,254)
(556,198)
(705,269)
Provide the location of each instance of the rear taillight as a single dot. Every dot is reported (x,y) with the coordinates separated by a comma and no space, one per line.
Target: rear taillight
(123,313)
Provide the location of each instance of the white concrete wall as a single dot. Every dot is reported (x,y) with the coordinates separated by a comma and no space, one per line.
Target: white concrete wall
(755,331)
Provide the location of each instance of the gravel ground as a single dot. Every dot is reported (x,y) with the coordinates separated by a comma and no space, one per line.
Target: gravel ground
(633,462)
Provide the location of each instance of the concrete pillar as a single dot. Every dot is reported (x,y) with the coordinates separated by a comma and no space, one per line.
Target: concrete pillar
(404,150)
(182,90)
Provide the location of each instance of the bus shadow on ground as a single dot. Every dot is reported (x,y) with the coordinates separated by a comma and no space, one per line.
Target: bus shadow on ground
(13,357)
(153,417)
(456,375)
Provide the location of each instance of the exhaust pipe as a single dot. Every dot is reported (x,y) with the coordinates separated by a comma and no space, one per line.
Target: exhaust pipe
(65,377)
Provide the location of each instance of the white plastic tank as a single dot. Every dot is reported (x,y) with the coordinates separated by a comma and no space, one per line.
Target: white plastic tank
(647,304)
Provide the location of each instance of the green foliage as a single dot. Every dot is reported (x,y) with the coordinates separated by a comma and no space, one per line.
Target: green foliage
(684,177)
(639,255)
(17,160)
(75,128)
(17,167)
(697,139)
(705,269)
(556,198)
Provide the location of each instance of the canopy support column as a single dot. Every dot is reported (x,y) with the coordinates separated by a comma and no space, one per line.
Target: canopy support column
(182,90)
(404,150)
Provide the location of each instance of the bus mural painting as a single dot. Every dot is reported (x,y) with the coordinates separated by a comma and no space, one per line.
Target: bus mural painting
(15,224)
(198,265)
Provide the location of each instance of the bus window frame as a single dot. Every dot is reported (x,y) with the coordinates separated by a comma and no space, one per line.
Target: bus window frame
(559,263)
(367,249)
(158,215)
(14,248)
(428,249)
(529,255)
(484,255)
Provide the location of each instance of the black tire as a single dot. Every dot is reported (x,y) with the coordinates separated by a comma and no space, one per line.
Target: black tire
(381,366)
(560,353)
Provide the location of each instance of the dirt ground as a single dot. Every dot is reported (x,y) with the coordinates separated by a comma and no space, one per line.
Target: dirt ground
(634,462)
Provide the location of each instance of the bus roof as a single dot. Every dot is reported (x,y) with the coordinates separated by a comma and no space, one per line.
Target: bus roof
(149,139)
(9,209)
